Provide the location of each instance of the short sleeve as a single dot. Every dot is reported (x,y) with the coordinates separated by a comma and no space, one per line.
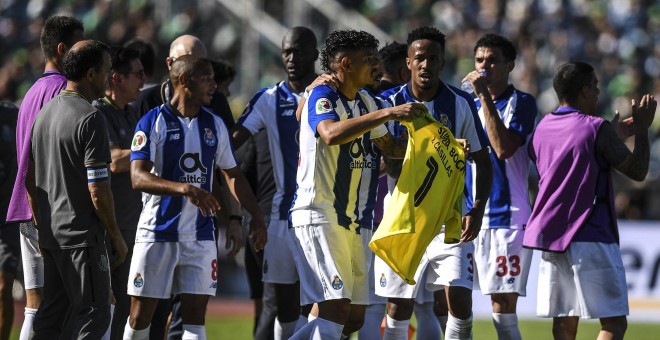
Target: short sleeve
(469,132)
(94,137)
(322,105)
(224,155)
(253,116)
(524,117)
(145,138)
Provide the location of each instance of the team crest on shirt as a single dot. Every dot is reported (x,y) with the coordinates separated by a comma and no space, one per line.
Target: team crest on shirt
(138,281)
(139,141)
(337,283)
(383,280)
(265,266)
(323,106)
(445,120)
(104,265)
(209,138)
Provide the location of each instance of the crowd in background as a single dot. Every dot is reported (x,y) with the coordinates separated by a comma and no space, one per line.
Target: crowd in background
(621,38)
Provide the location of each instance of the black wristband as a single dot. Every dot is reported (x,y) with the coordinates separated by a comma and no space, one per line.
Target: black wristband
(238,218)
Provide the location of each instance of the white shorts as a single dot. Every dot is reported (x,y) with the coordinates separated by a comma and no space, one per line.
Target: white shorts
(279,265)
(588,280)
(442,265)
(501,261)
(333,264)
(33,262)
(162,269)
(374,299)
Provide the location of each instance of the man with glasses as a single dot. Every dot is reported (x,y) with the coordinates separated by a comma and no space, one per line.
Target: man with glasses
(124,82)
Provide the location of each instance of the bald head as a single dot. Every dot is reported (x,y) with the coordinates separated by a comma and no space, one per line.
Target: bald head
(300,34)
(187,44)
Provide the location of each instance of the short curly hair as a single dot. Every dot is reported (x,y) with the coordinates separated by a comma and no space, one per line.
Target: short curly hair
(497,41)
(392,53)
(427,32)
(344,41)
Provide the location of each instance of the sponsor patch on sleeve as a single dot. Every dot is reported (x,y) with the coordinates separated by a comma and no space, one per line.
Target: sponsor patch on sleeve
(139,141)
(323,105)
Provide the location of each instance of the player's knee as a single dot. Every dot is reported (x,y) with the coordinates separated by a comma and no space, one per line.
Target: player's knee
(504,303)
(400,309)
(460,302)
(615,325)
(337,311)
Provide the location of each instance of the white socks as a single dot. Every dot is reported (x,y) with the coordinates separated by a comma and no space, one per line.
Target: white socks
(194,332)
(26,329)
(396,329)
(132,334)
(283,331)
(428,326)
(506,326)
(326,330)
(458,329)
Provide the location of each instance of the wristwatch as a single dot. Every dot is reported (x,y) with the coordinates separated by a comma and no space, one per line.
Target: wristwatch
(238,218)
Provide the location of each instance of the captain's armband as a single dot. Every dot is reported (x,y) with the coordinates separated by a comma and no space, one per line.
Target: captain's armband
(97,173)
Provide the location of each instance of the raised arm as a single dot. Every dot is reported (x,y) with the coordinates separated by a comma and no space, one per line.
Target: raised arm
(633,164)
(340,132)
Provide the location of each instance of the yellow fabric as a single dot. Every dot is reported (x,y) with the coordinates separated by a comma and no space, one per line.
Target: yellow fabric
(428,194)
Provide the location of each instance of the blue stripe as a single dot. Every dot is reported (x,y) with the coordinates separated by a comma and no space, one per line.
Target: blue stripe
(343,177)
(204,224)
(169,210)
(500,194)
(288,128)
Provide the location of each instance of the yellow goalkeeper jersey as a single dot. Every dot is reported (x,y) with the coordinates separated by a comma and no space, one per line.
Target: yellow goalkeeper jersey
(428,195)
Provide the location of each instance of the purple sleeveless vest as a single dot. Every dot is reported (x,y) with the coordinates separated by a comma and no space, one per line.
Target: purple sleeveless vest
(564,152)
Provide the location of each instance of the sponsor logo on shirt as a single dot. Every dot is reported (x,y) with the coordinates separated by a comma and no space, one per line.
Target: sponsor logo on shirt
(175,136)
(359,150)
(287,113)
(323,106)
(139,141)
(138,281)
(190,163)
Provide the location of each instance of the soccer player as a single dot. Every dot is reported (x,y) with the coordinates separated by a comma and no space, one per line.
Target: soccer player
(158,95)
(337,139)
(573,220)
(58,34)
(395,72)
(273,109)
(448,266)
(174,151)
(71,199)
(124,83)
(508,116)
